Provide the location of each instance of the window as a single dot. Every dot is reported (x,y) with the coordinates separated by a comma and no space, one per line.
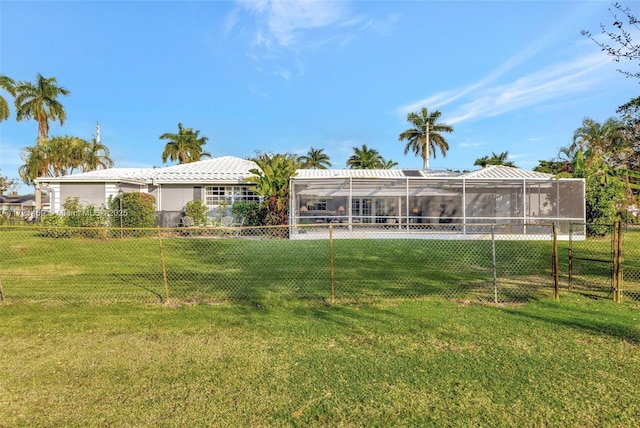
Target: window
(317,205)
(215,195)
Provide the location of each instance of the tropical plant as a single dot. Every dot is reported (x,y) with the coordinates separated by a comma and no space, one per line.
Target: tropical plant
(314,159)
(8,85)
(494,159)
(35,164)
(606,139)
(271,181)
(59,156)
(95,156)
(185,146)
(425,135)
(365,158)
(40,102)
(388,164)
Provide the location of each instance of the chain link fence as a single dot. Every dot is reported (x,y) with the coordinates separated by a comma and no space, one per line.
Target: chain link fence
(265,264)
(631,262)
(591,266)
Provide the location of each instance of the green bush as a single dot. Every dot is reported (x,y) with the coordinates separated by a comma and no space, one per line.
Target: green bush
(252,213)
(53,226)
(602,200)
(138,210)
(78,216)
(197,210)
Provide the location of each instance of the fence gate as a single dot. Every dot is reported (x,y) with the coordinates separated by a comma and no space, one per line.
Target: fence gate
(595,264)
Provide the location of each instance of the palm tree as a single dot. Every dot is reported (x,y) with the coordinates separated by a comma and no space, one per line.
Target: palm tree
(185,146)
(8,85)
(59,156)
(606,151)
(365,158)
(425,128)
(388,164)
(95,156)
(35,164)
(314,159)
(40,102)
(494,159)
(600,139)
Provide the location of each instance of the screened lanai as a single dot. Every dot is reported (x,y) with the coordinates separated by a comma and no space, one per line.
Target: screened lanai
(419,201)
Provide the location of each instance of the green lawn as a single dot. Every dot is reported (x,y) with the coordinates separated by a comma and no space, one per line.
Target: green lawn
(392,363)
(249,338)
(214,269)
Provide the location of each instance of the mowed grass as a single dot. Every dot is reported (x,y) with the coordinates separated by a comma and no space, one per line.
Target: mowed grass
(74,269)
(388,363)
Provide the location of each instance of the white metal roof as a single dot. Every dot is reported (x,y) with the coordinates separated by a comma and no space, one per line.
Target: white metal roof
(489,172)
(134,175)
(506,172)
(371,173)
(224,169)
(230,169)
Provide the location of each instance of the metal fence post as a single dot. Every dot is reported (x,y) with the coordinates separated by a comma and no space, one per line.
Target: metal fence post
(617,296)
(570,256)
(493,260)
(331,265)
(556,293)
(164,266)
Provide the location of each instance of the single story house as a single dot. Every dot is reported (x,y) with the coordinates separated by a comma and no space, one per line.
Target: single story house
(219,182)
(412,201)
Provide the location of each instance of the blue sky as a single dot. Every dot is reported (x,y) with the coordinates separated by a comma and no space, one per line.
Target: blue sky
(284,76)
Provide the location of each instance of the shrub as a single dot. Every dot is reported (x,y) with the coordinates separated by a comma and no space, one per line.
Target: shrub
(53,226)
(78,216)
(601,201)
(197,210)
(138,210)
(252,212)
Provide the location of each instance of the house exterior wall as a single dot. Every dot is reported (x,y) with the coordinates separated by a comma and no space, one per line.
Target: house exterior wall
(174,197)
(87,193)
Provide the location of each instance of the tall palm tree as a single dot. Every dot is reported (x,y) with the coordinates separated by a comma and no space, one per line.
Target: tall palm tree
(425,135)
(314,159)
(185,146)
(8,85)
(365,158)
(494,159)
(40,102)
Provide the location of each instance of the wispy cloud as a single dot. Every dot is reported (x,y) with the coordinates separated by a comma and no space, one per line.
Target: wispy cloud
(535,88)
(492,95)
(286,23)
(485,98)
